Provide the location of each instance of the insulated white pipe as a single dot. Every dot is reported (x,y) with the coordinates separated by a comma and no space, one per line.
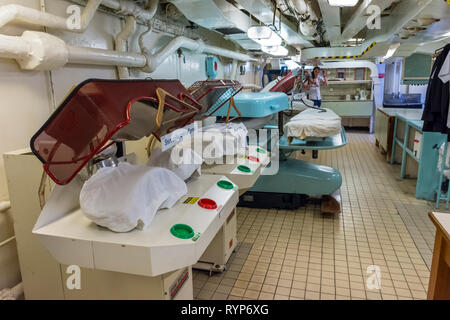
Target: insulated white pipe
(88,14)
(4,206)
(227,53)
(304,8)
(153,61)
(101,57)
(13,12)
(129,8)
(17,13)
(13,47)
(234,70)
(306,27)
(47,52)
(121,43)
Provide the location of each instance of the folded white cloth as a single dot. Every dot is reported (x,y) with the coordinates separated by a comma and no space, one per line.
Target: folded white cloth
(128,196)
(184,162)
(313,123)
(218,140)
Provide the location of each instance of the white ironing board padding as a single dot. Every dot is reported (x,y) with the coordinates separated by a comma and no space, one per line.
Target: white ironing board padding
(313,123)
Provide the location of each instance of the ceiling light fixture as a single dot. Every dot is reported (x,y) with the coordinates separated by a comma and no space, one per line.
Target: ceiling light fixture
(392,48)
(275,50)
(342,3)
(264,36)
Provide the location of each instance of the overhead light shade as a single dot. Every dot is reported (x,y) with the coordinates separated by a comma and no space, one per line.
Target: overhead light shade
(342,3)
(276,50)
(264,36)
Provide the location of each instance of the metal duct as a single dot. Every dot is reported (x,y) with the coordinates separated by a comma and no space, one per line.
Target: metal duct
(403,13)
(264,12)
(221,16)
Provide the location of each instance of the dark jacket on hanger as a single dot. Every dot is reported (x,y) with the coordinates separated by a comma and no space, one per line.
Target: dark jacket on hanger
(435,112)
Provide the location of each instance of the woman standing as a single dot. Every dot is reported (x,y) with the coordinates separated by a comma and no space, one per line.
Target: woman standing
(314,84)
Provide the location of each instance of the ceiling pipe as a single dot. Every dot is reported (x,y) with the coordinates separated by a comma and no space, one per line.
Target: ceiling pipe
(121,43)
(128,8)
(403,13)
(331,17)
(358,20)
(308,26)
(17,13)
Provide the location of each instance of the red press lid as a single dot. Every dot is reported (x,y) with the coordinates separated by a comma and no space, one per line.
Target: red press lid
(89,117)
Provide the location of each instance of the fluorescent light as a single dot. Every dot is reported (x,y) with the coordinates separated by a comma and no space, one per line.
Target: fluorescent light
(264,36)
(391,51)
(275,50)
(342,3)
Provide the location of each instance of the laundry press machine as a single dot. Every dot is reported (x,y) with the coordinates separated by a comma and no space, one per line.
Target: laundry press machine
(295,180)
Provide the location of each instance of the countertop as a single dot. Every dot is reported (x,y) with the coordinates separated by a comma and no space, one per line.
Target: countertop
(441,221)
(409,114)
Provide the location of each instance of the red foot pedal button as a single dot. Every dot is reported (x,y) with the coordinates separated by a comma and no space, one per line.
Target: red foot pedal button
(252,158)
(207,203)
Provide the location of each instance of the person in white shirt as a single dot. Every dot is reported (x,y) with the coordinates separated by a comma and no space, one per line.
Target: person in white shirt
(314,84)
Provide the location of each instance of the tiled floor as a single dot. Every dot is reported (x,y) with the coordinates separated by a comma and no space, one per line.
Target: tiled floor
(420,227)
(304,254)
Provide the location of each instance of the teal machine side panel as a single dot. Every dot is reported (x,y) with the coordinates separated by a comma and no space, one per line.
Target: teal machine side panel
(300,177)
(256,104)
(428,175)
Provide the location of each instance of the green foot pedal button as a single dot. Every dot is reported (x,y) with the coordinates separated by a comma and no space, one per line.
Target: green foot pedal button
(260,150)
(225,184)
(244,168)
(182,231)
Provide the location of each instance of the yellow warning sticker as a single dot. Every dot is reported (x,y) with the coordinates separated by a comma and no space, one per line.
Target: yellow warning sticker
(191,200)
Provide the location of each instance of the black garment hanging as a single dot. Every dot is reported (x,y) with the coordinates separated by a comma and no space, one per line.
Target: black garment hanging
(435,113)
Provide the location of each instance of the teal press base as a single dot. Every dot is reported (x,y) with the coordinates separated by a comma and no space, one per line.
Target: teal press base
(300,177)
